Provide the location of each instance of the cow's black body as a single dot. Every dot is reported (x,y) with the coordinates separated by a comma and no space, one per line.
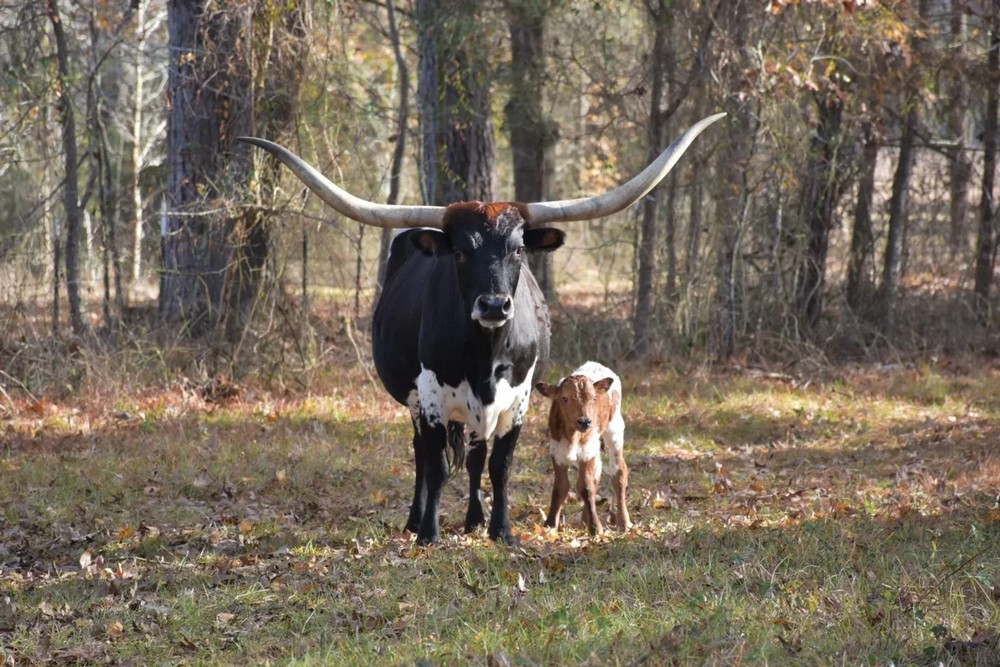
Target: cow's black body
(447,366)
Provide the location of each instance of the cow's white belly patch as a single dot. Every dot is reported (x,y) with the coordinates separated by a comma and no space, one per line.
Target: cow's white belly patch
(440,403)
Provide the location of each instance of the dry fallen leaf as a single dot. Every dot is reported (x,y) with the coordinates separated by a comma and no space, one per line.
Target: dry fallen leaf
(114,630)
(223,619)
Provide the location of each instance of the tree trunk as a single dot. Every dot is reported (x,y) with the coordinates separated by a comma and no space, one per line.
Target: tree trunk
(891,267)
(135,268)
(215,254)
(693,250)
(531,133)
(860,269)
(960,165)
(458,161)
(986,242)
(195,256)
(395,170)
(646,251)
(71,190)
(734,196)
(824,182)
(670,236)
(98,117)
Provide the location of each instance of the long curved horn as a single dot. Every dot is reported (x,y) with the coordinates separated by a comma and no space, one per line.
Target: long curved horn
(369,213)
(624,195)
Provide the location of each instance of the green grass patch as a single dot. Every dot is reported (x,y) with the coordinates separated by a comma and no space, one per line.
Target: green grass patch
(778,521)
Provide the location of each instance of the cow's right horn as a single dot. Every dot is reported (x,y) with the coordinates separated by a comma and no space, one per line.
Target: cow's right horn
(624,195)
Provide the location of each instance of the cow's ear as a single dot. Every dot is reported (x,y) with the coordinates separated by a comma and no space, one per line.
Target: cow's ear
(544,239)
(546,390)
(430,241)
(602,386)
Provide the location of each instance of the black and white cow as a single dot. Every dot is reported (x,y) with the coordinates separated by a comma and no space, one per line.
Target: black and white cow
(461,326)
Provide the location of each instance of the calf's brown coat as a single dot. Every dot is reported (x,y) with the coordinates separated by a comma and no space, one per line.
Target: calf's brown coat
(585,417)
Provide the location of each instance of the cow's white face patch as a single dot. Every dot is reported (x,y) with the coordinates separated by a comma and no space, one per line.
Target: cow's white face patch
(440,403)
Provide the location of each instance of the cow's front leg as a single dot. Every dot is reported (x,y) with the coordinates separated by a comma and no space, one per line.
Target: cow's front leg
(475,461)
(501,462)
(435,439)
(419,490)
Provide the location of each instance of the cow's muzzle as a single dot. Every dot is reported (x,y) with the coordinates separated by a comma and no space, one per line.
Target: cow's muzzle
(493,310)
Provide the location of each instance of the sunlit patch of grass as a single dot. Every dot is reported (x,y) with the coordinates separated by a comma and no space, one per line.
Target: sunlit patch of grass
(778,520)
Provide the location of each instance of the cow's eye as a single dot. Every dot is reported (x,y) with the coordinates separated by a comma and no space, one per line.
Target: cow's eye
(518,252)
(459,257)
(565,399)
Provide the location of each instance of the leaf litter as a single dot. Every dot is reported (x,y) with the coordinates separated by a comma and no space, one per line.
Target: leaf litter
(231,519)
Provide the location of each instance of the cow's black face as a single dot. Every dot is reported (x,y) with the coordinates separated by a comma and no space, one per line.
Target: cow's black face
(487,244)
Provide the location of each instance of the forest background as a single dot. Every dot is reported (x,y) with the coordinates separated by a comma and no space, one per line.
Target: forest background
(198,464)
(844,210)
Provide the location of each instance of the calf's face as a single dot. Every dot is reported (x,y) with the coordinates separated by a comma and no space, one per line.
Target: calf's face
(576,404)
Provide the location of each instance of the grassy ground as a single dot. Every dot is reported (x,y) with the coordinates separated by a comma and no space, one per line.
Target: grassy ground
(850,517)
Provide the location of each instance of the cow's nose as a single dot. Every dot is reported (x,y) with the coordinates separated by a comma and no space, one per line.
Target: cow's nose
(494,307)
(583,424)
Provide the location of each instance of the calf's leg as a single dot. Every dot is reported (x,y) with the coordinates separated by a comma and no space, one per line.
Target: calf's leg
(586,486)
(619,489)
(560,491)
(613,440)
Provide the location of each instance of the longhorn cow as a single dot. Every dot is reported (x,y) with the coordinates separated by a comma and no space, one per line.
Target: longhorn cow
(461,327)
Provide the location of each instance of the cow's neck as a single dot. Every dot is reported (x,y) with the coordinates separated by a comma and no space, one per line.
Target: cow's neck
(487,349)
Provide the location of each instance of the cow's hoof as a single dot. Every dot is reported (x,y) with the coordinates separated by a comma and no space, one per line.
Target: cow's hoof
(506,538)
(413,520)
(426,541)
(473,520)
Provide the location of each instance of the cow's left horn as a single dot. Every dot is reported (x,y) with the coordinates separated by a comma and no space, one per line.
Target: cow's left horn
(362,210)
(624,195)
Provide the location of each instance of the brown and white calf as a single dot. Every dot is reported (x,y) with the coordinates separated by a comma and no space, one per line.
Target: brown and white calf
(585,418)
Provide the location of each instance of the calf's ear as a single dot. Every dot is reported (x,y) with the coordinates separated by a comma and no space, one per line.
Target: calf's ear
(431,241)
(544,239)
(546,390)
(602,386)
